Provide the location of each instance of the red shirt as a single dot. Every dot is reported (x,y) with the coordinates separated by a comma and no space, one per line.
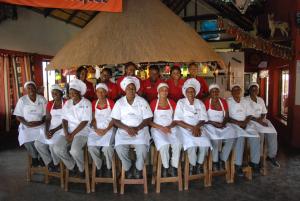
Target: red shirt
(111,104)
(90,91)
(120,90)
(224,102)
(204,87)
(153,105)
(175,92)
(150,89)
(50,104)
(112,90)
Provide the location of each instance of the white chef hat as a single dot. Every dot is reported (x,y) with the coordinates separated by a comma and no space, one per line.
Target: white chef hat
(213,86)
(102,86)
(191,82)
(236,85)
(253,84)
(29,82)
(78,85)
(162,85)
(57,87)
(130,80)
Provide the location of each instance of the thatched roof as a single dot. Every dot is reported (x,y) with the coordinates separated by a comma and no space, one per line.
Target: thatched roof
(146,31)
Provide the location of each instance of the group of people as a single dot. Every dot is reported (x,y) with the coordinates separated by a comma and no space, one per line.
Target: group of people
(177,114)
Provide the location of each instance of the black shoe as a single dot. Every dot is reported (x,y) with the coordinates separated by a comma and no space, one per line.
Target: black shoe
(215,167)
(192,169)
(98,173)
(35,162)
(138,174)
(51,167)
(199,169)
(73,172)
(222,165)
(274,162)
(164,172)
(173,172)
(129,174)
(239,171)
(108,173)
(81,175)
(41,162)
(255,169)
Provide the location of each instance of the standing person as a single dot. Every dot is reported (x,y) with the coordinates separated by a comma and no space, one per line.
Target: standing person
(132,115)
(263,126)
(240,120)
(150,85)
(175,83)
(219,131)
(30,111)
(77,114)
(193,73)
(101,136)
(81,74)
(190,115)
(130,69)
(53,129)
(164,131)
(105,76)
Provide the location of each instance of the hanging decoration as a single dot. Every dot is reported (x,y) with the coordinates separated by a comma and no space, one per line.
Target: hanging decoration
(255,42)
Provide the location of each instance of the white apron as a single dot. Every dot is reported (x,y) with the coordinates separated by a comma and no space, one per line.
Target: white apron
(102,121)
(164,118)
(190,116)
(218,116)
(29,134)
(133,117)
(56,120)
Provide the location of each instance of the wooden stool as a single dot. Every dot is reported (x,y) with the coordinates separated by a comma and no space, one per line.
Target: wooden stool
(263,159)
(156,177)
(112,180)
(85,180)
(229,168)
(59,175)
(39,170)
(188,177)
(247,169)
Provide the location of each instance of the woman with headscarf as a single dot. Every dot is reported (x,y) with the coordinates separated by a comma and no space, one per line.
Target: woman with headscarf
(30,111)
(81,74)
(164,131)
(239,119)
(219,131)
(132,115)
(263,126)
(101,136)
(77,114)
(190,115)
(53,130)
(175,83)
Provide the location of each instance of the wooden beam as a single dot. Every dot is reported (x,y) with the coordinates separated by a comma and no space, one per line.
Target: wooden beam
(47,11)
(181,5)
(221,40)
(72,16)
(200,17)
(211,32)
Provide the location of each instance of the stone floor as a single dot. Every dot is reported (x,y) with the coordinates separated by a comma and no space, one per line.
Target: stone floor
(279,185)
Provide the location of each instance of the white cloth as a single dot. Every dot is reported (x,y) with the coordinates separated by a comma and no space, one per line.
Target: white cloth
(253,84)
(162,85)
(103,119)
(191,82)
(191,114)
(164,118)
(57,87)
(75,114)
(213,86)
(29,82)
(235,85)
(130,80)
(218,116)
(30,111)
(132,115)
(78,85)
(102,85)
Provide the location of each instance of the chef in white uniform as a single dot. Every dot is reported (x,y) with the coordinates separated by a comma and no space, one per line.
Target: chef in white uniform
(221,134)
(132,115)
(77,115)
(164,130)
(190,115)
(53,129)
(102,133)
(30,111)
(240,120)
(263,126)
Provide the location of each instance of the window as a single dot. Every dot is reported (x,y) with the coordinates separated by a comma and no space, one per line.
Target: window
(284,94)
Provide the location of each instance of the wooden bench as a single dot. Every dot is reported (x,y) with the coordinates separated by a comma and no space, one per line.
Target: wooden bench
(36,170)
(59,175)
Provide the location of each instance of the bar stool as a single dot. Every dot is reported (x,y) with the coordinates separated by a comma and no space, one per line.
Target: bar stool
(85,180)
(156,177)
(247,170)
(204,175)
(229,168)
(36,170)
(59,175)
(124,181)
(263,158)
(112,180)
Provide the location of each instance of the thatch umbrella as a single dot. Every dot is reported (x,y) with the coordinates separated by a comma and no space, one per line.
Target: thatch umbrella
(146,31)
